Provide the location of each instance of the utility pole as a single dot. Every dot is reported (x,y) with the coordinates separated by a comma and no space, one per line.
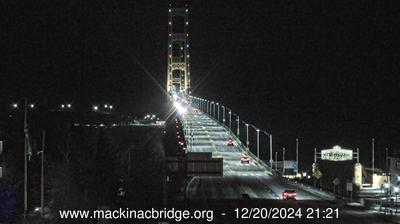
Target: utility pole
(42,174)
(276,160)
(297,155)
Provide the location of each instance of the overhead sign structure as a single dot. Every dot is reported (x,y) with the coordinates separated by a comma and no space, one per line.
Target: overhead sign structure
(337,154)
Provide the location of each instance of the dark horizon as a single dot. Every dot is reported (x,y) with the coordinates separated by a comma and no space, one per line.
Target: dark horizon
(324,72)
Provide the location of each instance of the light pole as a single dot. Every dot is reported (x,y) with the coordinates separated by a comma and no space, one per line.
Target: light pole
(26,158)
(270,150)
(212,108)
(218,111)
(276,161)
(258,143)
(223,114)
(247,136)
(230,119)
(297,155)
(396,191)
(238,126)
(386,161)
(373,156)
(42,174)
(283,161)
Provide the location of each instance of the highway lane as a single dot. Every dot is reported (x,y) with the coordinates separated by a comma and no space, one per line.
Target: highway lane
(249,185)
(239,181)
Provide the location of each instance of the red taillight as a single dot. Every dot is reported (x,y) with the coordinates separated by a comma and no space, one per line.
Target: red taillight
(287,194)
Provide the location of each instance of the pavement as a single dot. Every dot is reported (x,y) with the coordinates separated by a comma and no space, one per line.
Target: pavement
(253,184)
(253,180)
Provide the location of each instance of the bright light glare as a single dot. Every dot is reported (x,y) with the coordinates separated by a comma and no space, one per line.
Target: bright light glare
(181,109)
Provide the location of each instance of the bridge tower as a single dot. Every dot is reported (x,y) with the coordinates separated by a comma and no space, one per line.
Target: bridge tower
(178,80)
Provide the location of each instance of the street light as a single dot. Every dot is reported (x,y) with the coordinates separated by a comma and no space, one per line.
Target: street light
(238,126)
(15,105)
(96,108)
(218,111)
(110,107)
(223,114)
(258,143)
(62,106)
(32,105)
(247,136)
(230,119)
(396,191)
(69,105)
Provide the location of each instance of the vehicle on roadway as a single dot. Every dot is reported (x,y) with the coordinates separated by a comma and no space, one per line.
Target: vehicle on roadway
(230,142)
(289,195)
(245,159)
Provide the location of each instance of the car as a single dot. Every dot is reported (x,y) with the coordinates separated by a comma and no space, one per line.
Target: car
(230,142)
(245,159)
(289,195)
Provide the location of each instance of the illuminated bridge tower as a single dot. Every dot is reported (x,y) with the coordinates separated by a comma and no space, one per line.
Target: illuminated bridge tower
(178,80)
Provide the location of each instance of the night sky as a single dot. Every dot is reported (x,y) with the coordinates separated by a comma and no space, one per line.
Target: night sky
(325,72)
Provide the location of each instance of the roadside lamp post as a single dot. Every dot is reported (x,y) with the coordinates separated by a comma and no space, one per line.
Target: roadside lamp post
(230,119)
(238,126)
(283,161)
(247,136)
(297,155)
(270,150)
(223,114)
(258,143)
(396,191)
(212,109)
(218,111)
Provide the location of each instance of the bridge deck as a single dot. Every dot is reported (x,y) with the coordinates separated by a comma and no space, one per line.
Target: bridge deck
(253,179)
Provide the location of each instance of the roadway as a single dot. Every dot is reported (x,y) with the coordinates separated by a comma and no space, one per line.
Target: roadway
(253,180)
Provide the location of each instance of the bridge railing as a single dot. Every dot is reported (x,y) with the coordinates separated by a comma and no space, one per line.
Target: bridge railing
(231,121)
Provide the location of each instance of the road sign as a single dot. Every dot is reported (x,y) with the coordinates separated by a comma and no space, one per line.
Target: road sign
(336,154)
(290,164)
(349,187)
(317,174)
(336,181)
